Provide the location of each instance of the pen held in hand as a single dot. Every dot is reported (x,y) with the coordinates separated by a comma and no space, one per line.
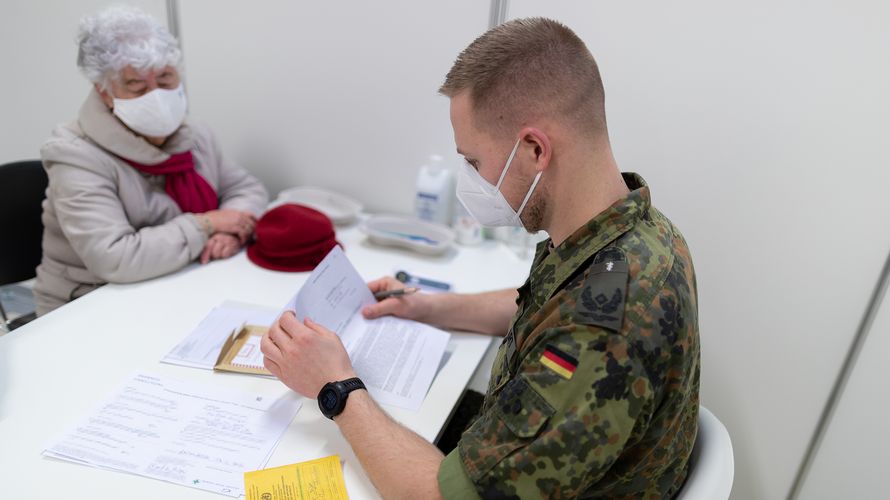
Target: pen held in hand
(395,293)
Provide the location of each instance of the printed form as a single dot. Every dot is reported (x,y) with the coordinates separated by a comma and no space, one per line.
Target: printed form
(181,432)
(396,358)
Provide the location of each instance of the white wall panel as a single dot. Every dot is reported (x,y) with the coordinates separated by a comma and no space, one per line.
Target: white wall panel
(853,459)
(762,129)
(40,85)
(340,95)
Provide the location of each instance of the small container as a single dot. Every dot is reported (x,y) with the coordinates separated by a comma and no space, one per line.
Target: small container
(467,230)
(435,191)
(520,241)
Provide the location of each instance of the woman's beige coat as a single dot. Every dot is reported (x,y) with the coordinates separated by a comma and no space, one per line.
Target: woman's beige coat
(105,221)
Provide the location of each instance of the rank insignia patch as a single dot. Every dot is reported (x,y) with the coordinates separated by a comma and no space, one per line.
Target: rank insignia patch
(558,361)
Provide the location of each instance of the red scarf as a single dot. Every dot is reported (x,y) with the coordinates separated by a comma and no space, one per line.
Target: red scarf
(186,186)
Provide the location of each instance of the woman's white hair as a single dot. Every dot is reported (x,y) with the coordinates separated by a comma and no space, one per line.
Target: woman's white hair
(121,36)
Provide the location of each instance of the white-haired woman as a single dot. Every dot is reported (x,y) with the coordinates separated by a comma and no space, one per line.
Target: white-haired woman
(136,190)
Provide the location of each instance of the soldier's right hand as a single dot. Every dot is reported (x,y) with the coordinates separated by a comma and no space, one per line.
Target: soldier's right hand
(414,306)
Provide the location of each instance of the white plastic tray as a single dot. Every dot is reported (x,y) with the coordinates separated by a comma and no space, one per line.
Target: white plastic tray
(339,208)
(409,232)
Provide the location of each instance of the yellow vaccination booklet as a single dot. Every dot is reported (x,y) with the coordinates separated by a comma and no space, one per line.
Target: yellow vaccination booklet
(320,479)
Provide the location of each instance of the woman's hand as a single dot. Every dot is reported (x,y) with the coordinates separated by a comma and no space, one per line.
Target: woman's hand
(414,306)
(236,222)
(220,246)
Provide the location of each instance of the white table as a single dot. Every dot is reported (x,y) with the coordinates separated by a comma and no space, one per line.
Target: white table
(57,368)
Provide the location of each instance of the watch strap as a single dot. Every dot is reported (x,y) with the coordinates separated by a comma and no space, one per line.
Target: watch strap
(352,384)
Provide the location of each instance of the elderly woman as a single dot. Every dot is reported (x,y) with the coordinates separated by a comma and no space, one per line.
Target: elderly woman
(136,190)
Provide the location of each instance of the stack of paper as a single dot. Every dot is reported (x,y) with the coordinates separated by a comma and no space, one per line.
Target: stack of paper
(181,432)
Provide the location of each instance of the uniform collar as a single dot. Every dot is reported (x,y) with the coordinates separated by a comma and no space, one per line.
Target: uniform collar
(552,268)
(106,130)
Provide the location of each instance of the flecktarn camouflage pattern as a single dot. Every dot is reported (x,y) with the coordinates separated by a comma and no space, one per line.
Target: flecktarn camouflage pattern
(594,392)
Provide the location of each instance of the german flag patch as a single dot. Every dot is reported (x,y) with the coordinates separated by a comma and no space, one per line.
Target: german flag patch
(563,364)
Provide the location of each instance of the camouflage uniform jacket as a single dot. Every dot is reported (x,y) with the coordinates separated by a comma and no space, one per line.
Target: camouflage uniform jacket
(594,391)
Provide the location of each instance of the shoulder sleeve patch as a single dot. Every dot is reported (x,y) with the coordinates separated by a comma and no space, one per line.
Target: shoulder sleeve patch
(602,299)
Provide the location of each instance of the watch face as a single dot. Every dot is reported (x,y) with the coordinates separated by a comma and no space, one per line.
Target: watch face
(328,399)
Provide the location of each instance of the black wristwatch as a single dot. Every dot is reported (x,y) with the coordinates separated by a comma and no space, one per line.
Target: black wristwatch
(332,397)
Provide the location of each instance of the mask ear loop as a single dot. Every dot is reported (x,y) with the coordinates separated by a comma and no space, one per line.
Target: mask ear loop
(529,194)
(507,166)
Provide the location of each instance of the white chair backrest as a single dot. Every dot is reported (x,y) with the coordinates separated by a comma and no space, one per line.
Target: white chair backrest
(711,466)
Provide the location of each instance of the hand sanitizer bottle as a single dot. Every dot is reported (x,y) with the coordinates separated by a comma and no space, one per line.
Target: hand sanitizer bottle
(435,192)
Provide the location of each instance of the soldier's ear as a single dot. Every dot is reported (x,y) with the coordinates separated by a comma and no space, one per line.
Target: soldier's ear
(536,147)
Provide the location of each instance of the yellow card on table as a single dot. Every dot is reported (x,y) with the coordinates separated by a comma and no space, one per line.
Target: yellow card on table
(320,479)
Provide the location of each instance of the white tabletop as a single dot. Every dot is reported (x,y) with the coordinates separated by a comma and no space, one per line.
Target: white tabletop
(56,369)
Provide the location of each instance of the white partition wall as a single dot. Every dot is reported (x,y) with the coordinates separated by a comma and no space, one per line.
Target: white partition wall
(341,95)
(40,85)
(762,129)
(853,459)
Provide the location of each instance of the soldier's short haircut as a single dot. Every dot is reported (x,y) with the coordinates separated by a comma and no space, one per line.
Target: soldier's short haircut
(526,69)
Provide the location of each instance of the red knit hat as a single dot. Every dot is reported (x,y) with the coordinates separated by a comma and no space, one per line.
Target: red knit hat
(292,238)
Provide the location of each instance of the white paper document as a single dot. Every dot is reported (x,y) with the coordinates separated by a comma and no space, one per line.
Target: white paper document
(395,358)
(180,432)
(201,348)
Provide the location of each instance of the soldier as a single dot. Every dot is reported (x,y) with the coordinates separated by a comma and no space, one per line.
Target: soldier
(594,392)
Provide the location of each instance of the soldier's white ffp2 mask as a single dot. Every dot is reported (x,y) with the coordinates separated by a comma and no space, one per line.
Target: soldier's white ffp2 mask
(156,114)
(485,202)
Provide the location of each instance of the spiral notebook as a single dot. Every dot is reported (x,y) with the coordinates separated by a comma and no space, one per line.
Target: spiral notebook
(241,352)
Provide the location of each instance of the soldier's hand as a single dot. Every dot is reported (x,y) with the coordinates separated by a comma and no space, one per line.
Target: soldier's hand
(304,355)
(415,306)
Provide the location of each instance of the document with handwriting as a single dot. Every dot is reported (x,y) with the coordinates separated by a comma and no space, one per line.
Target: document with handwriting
(396,358)
(181,432)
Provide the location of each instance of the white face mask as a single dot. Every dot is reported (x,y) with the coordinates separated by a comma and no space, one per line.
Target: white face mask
(485,202)
(156,114)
